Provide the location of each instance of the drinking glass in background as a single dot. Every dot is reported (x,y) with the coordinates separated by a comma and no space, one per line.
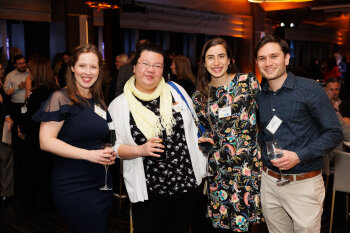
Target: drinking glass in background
(274,151)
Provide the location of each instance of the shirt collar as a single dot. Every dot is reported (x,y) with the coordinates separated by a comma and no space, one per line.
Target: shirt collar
(20,73)
(288,83)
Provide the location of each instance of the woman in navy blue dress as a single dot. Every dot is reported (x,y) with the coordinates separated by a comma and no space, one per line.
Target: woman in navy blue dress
(73,127)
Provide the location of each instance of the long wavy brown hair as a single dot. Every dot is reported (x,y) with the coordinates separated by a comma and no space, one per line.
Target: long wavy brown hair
(203,76)
(41,73)
(183,68)
(96,89)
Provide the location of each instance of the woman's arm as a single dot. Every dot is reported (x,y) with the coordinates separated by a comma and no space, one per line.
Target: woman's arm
(49,142)
(28,85)
(148,149)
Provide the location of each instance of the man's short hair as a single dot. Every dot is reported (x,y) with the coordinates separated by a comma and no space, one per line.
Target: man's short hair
(274,39)
(18,57)
(333,80)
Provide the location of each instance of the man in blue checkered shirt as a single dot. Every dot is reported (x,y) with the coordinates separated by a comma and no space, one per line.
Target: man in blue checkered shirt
(297,113)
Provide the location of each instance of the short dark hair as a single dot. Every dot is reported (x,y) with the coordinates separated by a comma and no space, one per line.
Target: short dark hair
(333,80)
(148,46)
(17,57)
(272,39)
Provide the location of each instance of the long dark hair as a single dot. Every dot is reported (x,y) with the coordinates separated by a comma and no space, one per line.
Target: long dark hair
(204,77)
(96,89)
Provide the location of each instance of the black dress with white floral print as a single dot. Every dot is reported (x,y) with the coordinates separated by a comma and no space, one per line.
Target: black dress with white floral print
(173,172)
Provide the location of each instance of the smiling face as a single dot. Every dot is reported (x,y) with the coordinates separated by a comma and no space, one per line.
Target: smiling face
(272,62)
(148,71)
(217,61)
(333,89)
(21,65)
(86,71)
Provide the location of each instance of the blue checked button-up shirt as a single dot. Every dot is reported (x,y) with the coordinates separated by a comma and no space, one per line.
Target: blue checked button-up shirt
(309,125)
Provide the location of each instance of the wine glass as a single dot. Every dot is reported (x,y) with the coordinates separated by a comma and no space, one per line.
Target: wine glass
(207,149)
(274,151)
(106,187)
(160,140)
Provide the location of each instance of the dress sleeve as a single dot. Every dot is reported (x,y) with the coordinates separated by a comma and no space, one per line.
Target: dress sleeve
(56,108)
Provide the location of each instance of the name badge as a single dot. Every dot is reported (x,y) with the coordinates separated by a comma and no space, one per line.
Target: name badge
(24,109)
(274,124)
(225,112)
(178,107)
(99,111)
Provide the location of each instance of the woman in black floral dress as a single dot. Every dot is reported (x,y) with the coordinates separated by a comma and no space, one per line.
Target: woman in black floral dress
(160,176)
(225,104)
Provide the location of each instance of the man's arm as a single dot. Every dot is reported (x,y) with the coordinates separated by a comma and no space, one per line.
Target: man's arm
(321,110)
(324,115)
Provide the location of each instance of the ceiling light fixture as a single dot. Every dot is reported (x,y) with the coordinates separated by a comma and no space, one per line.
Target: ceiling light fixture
(102,5)
(263,1)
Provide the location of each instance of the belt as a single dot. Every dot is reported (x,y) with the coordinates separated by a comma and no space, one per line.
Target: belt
(295,177)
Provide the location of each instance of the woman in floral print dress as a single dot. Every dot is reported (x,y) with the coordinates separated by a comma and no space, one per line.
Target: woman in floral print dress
(225,105)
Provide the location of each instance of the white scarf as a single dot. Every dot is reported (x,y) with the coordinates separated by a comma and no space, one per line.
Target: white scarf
(146,121)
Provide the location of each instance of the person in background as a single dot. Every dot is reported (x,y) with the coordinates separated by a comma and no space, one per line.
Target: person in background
(6,151)
(344,122)
(15,87)
(120,60)
(126,71)
(73,127)
(42,83)
(226,106)
(66,60)
(331,70)
(182,73)
(341,65)
(332,89)
(157,140)
(11,64)
(297,113)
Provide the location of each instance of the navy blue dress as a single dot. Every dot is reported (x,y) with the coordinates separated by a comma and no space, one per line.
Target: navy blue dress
(75,183)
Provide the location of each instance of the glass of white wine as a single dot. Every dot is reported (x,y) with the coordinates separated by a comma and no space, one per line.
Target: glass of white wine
(106,187)
(274,151)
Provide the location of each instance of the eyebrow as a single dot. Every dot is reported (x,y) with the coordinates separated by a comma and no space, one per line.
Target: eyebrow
(218,54)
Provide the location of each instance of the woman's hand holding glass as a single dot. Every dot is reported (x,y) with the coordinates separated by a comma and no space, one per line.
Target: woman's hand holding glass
(206,143)
(104,156)
(153,147)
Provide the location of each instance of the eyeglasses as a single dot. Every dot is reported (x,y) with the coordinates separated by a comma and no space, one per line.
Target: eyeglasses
(147,65)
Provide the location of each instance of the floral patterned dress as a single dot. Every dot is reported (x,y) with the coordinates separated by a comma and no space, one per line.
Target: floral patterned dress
(234,188)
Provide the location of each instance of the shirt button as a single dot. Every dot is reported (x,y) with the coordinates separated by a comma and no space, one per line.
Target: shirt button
(274,93)
(273,109)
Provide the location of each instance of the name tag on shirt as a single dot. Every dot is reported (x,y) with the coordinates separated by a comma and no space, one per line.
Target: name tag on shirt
(99,111)
(23,109)
(178,107)
(274,124)
(225,112)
